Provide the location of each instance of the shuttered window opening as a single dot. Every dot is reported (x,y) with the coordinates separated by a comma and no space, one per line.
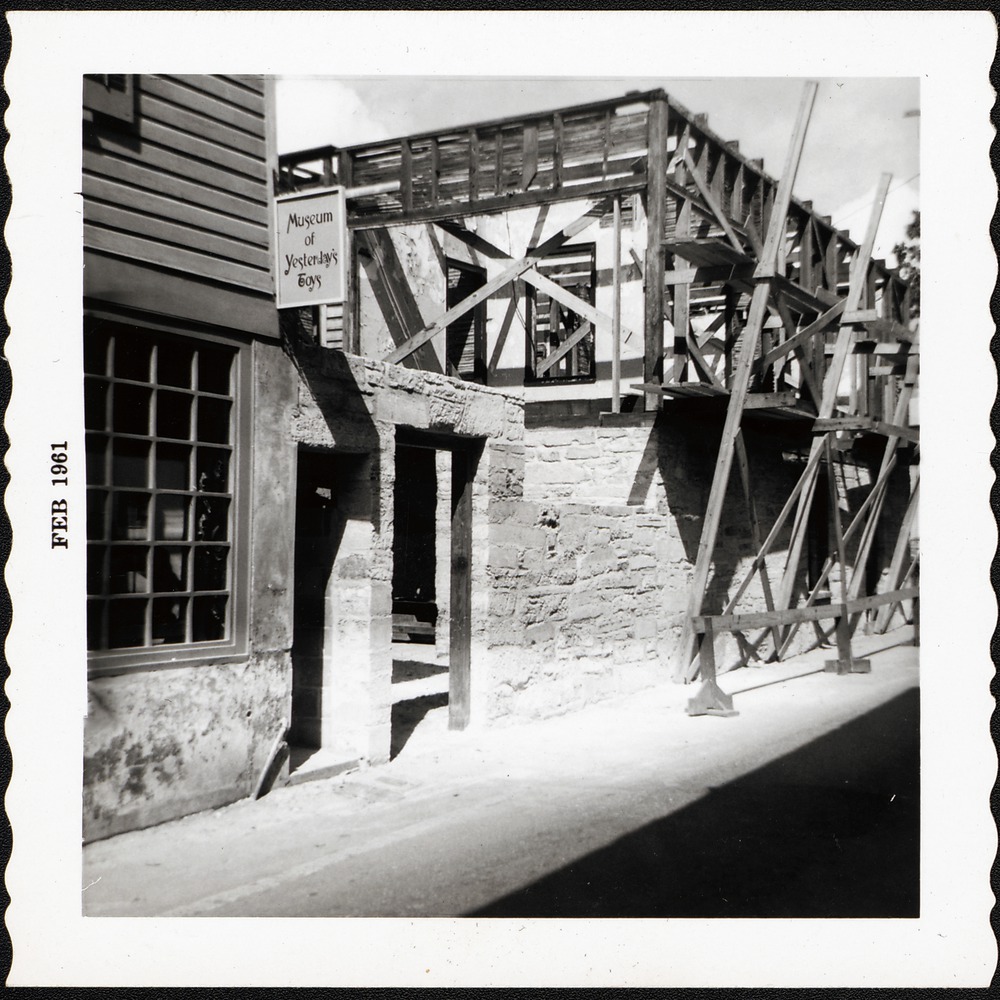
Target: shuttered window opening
(561,342)
(111,94)
(465,338)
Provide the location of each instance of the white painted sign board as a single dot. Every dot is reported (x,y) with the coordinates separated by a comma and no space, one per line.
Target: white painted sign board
(310,237)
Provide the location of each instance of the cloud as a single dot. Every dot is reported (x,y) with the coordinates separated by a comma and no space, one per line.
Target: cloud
(313,111)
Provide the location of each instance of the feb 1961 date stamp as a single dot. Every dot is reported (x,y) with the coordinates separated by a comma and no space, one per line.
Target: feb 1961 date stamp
(59,471)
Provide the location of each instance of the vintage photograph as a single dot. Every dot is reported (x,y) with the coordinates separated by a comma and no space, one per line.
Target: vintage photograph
(551,414)
(497,497)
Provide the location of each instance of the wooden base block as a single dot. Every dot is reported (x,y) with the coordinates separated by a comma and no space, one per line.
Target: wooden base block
(711,700)
(848,667)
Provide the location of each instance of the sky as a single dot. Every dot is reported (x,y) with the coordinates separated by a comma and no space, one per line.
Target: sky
(859,129)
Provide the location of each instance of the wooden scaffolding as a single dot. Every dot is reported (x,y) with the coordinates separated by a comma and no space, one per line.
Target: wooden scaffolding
(772,309)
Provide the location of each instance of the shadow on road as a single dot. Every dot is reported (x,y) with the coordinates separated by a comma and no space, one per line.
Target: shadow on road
(830,830)
(407,715)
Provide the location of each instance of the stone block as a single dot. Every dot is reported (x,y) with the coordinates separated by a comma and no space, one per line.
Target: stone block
(543,632)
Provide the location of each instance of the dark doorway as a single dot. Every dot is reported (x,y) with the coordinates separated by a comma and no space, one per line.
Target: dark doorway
(414,559)
(432,550)
(328,489)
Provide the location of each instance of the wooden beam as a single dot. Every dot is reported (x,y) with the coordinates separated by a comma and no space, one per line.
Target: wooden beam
(702,363)
(854,423)
(859,273)
(899,554)
(792,616)
(857,521)
(710,699)
(712,202)
(551,288)
(768,400)
(656,177)
(508,319)
(497,205)
(557,150)
(831,387)
(616,297)
(637,262)
(765,581)
(563,349)
(435,170)
(816,326)
(740,274)
(741,380)
(868,535)
(529,157)
(680,315)
(473,165)
(460,611)
(838,528)
(505,277)
(580,306)
(783,196)
(406,175)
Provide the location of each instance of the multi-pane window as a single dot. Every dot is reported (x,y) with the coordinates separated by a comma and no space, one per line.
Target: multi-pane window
(160,473)
(560,341)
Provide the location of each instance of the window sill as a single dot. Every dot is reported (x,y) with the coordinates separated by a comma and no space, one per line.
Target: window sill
(102,664)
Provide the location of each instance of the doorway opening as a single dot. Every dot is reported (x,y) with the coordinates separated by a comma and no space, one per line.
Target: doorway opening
(332,527)
(431,583)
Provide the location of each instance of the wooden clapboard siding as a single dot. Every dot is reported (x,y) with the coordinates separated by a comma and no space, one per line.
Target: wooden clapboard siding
(167,138)
(113,217)
(186,166)
(109,192)
(245,92)
(186,187)
(149,179)
(177,258)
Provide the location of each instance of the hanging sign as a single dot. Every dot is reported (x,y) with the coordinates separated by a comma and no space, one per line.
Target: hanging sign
(310,236)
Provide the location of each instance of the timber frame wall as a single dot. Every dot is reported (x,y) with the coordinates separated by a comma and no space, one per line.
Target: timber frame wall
(773,310)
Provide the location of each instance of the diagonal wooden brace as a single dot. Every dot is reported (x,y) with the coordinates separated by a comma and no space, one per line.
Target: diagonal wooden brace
(516,269)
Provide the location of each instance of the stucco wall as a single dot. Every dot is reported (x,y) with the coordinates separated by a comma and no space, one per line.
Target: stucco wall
(417,254)
(168,741)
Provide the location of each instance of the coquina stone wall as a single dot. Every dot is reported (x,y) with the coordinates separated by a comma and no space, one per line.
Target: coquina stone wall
(590,569)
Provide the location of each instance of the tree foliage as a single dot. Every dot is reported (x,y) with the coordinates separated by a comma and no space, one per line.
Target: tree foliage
(907,252)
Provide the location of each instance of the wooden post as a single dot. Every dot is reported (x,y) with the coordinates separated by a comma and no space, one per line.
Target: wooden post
(656,207)
(406,175)
(765,582)
(831,385)
(435,170)
(473,165)
(616,310)
(741,379)
(557,151)
(710,699)
(460,631)
(899,558)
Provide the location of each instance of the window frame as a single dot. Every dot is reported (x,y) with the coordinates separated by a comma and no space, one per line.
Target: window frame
(99,98)
(132,659)
(479,363)
(531,317)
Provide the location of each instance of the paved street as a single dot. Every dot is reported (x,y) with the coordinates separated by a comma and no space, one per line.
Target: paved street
(806,804)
